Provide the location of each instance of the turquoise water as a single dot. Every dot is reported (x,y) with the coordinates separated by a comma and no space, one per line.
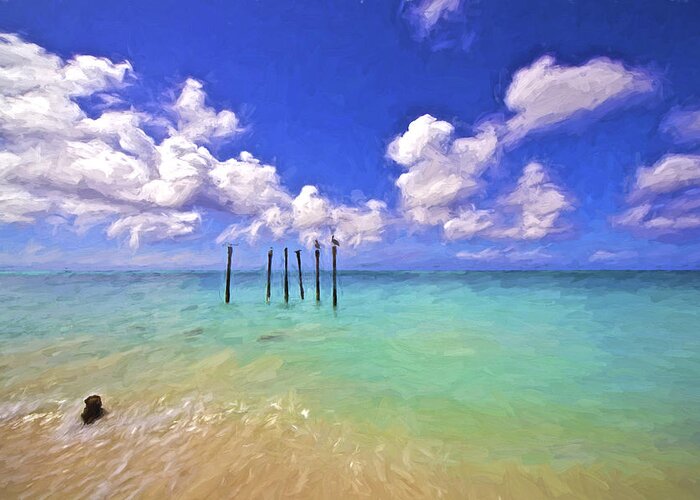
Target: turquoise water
(563,369)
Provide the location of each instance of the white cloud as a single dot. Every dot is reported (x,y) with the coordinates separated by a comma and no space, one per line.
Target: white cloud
(670,174)
(425,14)
(246,186)
(154,226)
(19,205)
(57,161)
(682,126)
(545,94)
(468,223)
(665,198)
(70,169)
(425,132)
(536,205)
(532,211)
(359,225)
(442,171)
(196,121)
(311,216)
(505,254)
(608,256)
(81,76)
(444,174)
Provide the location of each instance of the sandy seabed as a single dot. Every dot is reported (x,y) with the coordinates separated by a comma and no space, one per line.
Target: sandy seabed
(185,449)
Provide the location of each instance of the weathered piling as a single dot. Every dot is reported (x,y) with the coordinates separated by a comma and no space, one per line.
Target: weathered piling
(286,277)
(335,283)
(269,271)
(318,280)
(228,274)
(301,282)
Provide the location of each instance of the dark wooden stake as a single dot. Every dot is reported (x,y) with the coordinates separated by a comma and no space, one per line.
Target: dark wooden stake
(286,277)
(228,275)
(318,281)
(335,284)
(301,282)
(269,271)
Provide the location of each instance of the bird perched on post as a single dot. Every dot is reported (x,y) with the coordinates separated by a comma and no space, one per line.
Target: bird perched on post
(317,245)
(334,241)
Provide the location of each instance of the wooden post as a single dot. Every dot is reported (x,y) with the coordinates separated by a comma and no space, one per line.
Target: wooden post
(286,277)
(335,284)
(301,282)
(269,271)
(228,275)
(318,281)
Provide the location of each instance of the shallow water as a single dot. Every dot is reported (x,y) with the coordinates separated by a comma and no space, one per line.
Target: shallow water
(481,385)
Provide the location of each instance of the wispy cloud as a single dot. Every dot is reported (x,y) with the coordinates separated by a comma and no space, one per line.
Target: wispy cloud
(612,256)
(682,126)
(427,13)
(509,254)
(440,23)
(664,199)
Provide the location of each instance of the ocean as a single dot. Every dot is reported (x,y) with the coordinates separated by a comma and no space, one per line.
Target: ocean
(418,385)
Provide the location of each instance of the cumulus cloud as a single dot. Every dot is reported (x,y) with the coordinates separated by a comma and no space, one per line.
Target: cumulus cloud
(535,205)
(57,161)
(664,199)
(545,93)
(531,211)
(63,166)
(444,174)
(468,223)
(246,186)
(19,205)
(442,170)
(311,216)
(198,122)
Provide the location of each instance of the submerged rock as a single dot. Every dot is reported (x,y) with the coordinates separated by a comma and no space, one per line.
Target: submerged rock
(194,332)
(268,338)
(93,409)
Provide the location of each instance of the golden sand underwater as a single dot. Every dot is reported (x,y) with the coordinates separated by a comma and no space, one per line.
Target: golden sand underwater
(440,390)
(193,451)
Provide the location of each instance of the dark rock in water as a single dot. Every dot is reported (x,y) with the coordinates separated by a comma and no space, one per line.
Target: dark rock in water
(93,409)
(194,332)
(268,338)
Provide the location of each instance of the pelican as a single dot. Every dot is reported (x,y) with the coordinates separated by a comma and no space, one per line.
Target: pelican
(334,241)
(317,245)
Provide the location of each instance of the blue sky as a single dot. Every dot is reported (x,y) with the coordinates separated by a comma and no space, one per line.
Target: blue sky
(589,160)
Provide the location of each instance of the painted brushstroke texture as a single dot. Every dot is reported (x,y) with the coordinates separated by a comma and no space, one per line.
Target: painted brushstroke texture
(448,127)
(510,384)
(60,163)
(315,249)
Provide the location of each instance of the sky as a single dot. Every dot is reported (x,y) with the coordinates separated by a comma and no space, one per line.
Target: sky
(432,134)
